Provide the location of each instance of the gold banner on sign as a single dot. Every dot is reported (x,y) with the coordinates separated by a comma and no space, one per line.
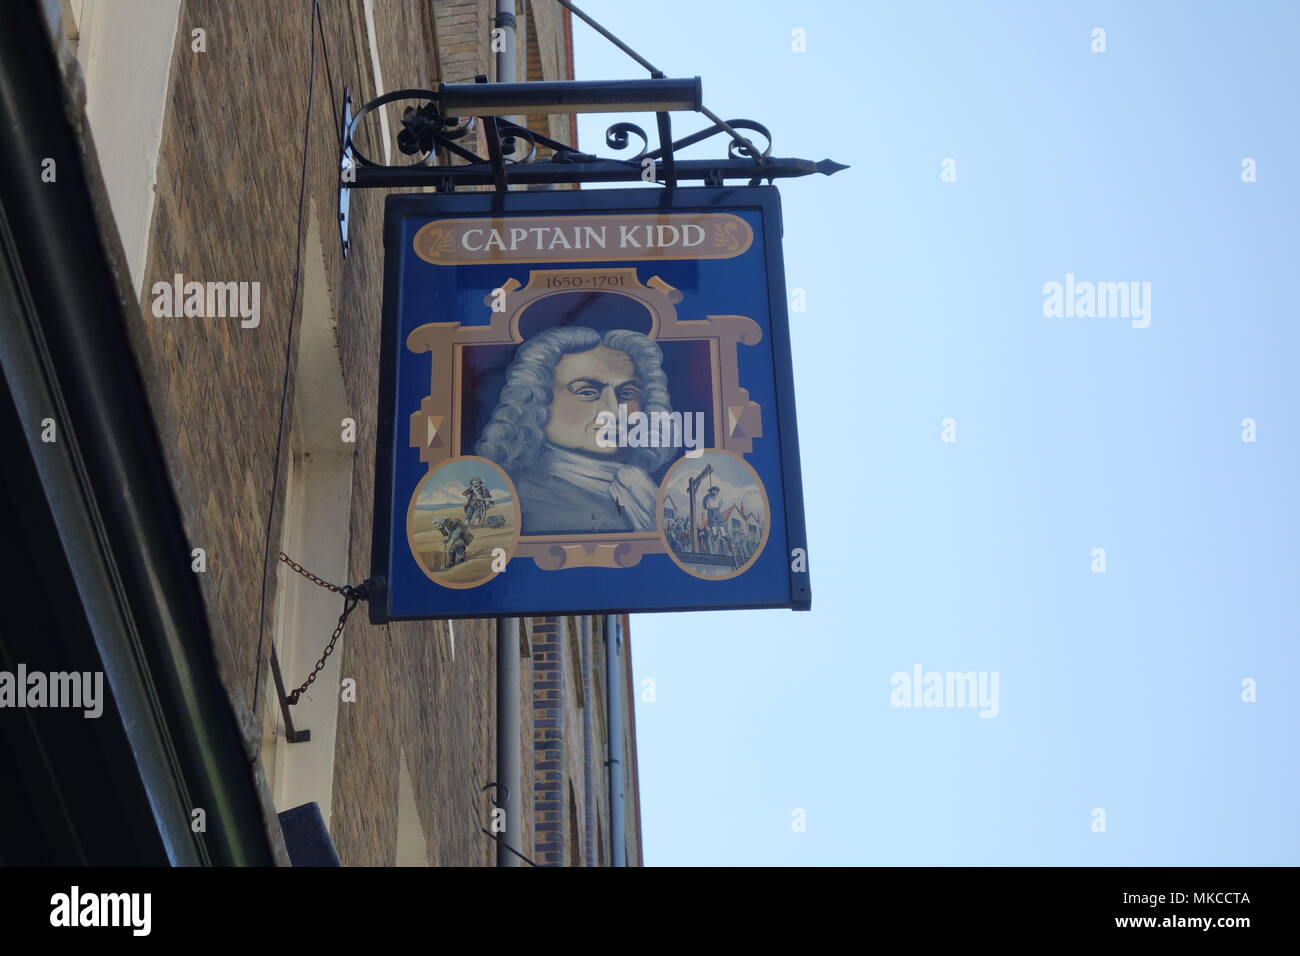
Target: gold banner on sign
(709,235)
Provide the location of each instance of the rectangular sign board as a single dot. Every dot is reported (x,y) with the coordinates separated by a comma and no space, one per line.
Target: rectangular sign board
(585,406)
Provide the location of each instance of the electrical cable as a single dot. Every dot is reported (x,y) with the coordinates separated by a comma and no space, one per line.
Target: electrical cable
(329,69)
(288,354)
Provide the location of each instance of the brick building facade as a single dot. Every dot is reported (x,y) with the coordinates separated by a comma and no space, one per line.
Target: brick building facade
(196,115)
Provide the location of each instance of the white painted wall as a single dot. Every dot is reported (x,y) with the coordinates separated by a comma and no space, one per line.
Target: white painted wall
(316,532)
(125,49)
(412,849)
(372,39)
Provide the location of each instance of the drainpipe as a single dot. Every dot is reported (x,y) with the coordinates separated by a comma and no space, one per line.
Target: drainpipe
(614,723)
(509,725)
(589,834)
(508,742)
(505,22)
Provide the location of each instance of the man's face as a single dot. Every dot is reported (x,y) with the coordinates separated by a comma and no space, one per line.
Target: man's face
(586,384)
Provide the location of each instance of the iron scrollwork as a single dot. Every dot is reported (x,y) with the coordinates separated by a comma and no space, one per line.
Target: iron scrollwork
(425,130)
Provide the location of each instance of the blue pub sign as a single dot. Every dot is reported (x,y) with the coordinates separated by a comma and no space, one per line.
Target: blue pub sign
(585,406)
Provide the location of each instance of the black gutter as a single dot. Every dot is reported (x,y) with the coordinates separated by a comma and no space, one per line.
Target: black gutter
(67,347)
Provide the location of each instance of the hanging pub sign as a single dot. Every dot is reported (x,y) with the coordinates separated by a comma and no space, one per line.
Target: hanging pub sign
(585,406)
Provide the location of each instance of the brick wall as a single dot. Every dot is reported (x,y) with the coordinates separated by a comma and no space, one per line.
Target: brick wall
(549,792)
(226,209)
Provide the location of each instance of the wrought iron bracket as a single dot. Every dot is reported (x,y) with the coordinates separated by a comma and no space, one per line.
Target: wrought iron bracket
(428,132)
(347,168)
(291,735)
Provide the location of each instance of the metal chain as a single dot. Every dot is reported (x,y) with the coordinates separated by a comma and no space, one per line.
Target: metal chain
(352,597)
(308,575)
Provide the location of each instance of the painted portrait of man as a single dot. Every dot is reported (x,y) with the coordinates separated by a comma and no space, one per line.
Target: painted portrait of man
(545,428)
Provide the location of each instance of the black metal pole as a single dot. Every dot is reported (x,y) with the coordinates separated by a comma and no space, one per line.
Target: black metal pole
(605,171)
(571,96)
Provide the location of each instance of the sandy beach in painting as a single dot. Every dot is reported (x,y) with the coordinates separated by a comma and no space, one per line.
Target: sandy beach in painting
(478,563)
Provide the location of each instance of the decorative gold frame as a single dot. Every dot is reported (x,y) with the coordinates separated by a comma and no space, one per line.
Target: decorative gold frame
(435,428)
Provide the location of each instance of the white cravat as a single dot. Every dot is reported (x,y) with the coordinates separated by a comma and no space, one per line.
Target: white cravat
(628,486)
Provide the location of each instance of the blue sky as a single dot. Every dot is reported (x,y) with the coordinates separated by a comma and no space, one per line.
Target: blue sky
(1119,690)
